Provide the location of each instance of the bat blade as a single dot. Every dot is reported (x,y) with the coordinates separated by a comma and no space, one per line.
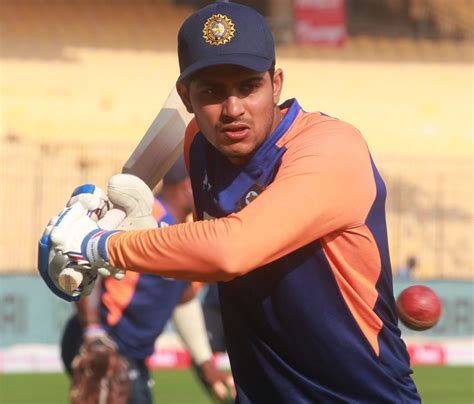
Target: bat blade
(162,143)
(154,155)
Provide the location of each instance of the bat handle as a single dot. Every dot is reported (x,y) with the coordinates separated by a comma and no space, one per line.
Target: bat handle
(70,279)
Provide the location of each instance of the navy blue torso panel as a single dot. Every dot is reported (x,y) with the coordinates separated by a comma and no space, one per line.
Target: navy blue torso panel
(290,334)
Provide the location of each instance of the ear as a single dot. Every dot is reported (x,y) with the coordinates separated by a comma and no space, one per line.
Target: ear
(183,91)
(277,85)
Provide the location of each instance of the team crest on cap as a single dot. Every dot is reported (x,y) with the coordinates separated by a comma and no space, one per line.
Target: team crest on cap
(218,29)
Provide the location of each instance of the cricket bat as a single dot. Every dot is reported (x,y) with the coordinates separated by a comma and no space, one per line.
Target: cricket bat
(154,155)
(162,144)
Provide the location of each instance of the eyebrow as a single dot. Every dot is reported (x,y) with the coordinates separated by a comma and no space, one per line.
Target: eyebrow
(255,78)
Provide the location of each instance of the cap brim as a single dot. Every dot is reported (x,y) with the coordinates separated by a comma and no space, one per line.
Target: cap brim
(253,62)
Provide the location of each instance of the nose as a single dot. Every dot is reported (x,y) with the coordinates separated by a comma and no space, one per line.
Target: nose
(233,107)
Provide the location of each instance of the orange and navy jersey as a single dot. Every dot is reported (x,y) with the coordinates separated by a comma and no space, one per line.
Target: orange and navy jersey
(297,240)
(136,309)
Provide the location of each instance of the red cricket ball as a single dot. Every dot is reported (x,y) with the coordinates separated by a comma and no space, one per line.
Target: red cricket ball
(419,307)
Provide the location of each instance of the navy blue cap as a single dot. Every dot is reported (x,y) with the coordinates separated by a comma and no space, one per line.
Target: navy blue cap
(225,33)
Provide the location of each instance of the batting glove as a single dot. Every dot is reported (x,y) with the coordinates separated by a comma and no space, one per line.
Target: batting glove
(100,209)
(131,196)
(52,262)
(73,239)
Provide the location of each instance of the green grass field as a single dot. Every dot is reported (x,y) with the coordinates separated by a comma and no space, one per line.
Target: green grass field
(441,385)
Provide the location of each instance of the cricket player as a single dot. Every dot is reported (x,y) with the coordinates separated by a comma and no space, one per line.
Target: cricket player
(290,211)
(132,313)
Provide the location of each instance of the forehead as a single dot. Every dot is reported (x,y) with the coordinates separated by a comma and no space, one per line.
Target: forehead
(225,73)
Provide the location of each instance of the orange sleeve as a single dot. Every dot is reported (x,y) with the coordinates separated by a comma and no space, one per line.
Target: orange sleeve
(325,184)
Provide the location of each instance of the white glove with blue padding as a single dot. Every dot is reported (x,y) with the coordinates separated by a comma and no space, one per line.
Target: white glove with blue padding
(73,241)
(65,243)
(51,263)
(80,238)
(101,209)
(131,195)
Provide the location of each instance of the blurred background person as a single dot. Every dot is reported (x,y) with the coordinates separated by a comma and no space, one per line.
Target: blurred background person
(124,319)
(407,271)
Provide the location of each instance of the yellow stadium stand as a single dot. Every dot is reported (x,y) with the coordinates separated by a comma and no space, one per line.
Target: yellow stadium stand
(81,81)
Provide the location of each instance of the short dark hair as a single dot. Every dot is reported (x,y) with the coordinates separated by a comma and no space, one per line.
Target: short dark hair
(271,70)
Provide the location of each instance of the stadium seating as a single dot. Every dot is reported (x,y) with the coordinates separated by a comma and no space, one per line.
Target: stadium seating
(140,24)
(75,71)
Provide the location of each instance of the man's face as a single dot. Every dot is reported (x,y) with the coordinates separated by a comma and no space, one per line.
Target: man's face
(235,108)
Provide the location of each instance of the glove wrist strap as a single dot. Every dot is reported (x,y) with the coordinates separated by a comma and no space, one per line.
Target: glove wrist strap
(94,248)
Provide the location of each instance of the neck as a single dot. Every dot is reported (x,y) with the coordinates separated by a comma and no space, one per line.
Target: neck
(277,119)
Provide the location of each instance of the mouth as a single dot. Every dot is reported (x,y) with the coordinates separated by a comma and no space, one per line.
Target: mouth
(235,131)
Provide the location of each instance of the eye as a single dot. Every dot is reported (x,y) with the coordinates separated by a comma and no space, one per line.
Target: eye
(211,91)
(208,90)
(250,87)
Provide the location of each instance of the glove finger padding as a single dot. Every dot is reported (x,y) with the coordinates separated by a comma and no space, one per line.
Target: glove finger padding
(112,219)
(72,226)
(135,198)
(60,247)
(51,263)
(133,204)
(92,198)
(89,277)
(99,208)
(118,274)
